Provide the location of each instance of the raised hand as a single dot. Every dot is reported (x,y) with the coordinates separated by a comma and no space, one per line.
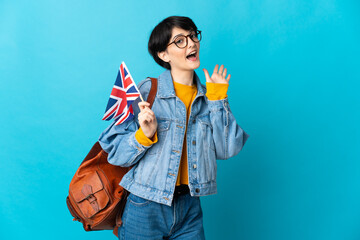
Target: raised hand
(218,75)
(147,119)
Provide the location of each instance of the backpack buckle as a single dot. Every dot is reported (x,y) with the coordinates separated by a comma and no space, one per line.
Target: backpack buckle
(87,191)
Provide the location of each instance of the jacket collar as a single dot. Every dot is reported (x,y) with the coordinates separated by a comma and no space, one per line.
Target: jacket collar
(166,85)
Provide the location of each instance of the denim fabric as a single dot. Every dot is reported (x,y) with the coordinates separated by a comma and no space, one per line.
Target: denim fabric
(212,133)
(144,219)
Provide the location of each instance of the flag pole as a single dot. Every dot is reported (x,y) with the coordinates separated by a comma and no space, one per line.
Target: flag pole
(134,81)
(141,97)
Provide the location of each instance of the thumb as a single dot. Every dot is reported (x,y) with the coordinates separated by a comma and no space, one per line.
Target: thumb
(143,105)
(207,76)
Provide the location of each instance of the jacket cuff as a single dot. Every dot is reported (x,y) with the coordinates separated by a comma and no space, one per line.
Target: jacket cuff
(218,105)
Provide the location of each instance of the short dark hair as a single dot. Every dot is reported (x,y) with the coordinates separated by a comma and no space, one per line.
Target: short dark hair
(161,34)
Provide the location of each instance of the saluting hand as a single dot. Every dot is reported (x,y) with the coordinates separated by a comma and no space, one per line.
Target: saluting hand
(147,119)
(218,75)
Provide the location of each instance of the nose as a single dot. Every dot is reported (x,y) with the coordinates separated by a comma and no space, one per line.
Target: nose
(191,43)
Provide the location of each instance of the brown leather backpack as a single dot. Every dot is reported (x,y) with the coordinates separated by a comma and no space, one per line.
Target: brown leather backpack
(95,197)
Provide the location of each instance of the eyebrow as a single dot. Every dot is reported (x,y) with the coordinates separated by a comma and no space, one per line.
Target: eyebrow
(177,36)
(190,31)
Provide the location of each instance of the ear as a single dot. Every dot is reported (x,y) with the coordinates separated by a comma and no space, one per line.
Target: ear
(163,56)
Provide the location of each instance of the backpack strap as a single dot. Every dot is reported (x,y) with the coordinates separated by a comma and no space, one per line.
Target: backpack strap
(152,93)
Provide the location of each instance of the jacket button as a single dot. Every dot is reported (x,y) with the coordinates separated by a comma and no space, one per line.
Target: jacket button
(193,142)
(194,166)
(197,190)
(194,121)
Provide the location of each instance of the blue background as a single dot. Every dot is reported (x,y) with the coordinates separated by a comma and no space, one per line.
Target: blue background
(294,89)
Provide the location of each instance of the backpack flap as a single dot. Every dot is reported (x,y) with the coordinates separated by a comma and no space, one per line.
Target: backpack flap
(90,195)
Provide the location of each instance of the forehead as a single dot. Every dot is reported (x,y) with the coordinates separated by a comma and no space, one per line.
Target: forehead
(179,31)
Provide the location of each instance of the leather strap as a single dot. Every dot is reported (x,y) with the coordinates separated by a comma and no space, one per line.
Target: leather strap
(152,92)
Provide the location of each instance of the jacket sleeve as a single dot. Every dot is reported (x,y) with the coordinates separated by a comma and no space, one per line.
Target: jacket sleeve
(228,136)
(119,141)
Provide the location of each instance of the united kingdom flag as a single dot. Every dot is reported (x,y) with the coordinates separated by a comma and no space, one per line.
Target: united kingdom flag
(123,94)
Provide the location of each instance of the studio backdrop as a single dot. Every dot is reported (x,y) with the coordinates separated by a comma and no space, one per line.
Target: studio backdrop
(294,89)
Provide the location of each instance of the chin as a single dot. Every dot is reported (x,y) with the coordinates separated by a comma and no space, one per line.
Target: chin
(195,65)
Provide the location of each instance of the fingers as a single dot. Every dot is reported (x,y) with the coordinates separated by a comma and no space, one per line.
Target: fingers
(147,111)
(143,105)
(207,76)
(224,73)
(145,118)
(216,68)
(228,78)
(221,69)
(147,115)
(218,76)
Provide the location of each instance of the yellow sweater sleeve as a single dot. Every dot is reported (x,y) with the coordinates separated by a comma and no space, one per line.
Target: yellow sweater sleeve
(216,91)
(144,140)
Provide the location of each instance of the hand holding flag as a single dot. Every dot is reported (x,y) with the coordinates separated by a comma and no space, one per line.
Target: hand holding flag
(147,119)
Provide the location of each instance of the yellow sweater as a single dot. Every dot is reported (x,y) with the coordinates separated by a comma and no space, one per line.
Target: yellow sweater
(215,91)
(187,95)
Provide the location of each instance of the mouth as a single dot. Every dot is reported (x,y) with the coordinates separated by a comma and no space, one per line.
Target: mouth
(192,56)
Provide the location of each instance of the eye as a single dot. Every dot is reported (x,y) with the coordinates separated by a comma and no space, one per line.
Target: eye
(179,40)
(194,36)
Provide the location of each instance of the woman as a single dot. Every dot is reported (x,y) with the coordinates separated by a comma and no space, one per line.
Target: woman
(173,146)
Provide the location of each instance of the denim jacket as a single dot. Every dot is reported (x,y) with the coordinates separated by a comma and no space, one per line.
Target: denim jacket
(212,133)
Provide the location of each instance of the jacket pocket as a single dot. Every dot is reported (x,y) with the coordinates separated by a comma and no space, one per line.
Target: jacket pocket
(205,149)
(206,128)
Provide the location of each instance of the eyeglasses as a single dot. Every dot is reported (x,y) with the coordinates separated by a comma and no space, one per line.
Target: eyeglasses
(181,41)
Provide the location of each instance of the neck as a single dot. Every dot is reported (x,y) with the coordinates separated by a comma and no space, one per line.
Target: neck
(183,77)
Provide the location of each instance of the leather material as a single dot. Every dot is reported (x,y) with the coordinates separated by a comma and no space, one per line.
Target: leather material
(95,197)
(153,91)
